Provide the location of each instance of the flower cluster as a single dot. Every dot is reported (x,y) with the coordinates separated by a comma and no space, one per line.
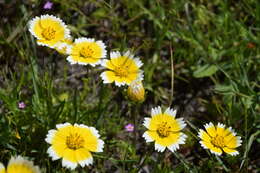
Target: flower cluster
(52,32)
(74,144)
(165,130)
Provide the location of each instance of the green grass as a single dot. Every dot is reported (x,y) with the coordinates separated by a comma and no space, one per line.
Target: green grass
(212,45)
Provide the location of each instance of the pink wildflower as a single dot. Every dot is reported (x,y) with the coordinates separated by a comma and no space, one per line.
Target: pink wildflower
(48,5)
(21,105)
(129,127)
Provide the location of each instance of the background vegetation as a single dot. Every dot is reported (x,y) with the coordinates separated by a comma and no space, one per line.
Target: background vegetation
(213,47)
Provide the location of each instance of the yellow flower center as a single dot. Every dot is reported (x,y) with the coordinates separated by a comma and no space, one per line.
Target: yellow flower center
(218,141)
(164,129)
(86,52)
(48,33)
(121,72)
(74,141)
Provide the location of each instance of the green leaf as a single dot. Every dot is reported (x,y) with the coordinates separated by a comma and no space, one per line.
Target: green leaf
(224,89)
(205,71)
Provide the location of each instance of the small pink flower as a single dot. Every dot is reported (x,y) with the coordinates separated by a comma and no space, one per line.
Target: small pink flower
(48,5)
(129,127)
(21,105)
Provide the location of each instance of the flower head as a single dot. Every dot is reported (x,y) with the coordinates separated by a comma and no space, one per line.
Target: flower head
(21,105)
(19,165)
(63,46)
(122,69)
(87,51)
(129,127)
(74,144)
(218,139)
(49,30)
(48,5)
(136,91)
(164,129)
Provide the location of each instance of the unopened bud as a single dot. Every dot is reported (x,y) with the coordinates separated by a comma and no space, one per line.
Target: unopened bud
(136,91)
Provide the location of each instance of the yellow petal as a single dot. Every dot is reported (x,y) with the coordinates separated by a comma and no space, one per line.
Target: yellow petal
(210,128)
(109,76)
(208,145)
(82,154)
(70,155)
(231,141)
(230,151)
(204,136)
(220,129)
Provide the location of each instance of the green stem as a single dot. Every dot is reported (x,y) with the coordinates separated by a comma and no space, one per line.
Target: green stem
(172,77)
(246,136)
(183,161)
(224,166)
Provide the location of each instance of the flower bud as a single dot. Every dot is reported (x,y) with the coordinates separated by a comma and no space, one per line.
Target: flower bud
(136,91)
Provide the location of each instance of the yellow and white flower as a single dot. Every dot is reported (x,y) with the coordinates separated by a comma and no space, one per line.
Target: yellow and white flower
(74,144)
(87,51)
(49,30)
(218,139)
(122,69)
(63,46)
(19,165)
(136,91)
(164,129)
(2,168)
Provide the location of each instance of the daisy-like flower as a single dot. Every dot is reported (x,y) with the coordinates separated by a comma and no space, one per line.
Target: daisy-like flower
(74,144)
(63,46)
(136,91)
(164,129)
(49,30)
(19,165)
(122,69)
(87,51)
(218,139)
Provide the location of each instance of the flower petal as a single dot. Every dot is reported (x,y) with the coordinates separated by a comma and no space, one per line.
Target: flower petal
(69,164)
(147,122)
(204,136)
(156,111)
(159,147)
(232,141)
(214,150)
(84,157)
(147,137)
(170,111)
(230,151)
(210,128)
(108,76)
